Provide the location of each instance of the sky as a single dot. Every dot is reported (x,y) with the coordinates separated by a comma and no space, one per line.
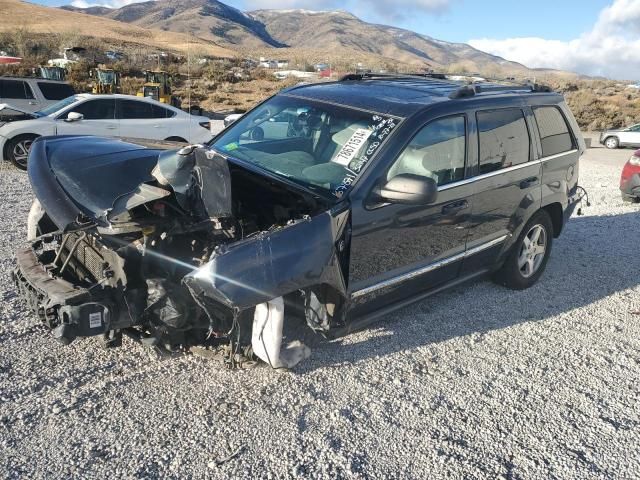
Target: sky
(592,37)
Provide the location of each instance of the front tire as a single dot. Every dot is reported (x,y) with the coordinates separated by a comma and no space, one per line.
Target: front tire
(529,255)
(612,143)
(18,148)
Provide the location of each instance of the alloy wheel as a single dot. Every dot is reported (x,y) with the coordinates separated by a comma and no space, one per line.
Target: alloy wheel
(21,152)
(532,251)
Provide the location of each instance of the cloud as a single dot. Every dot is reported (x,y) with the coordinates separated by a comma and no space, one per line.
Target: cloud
(610,49)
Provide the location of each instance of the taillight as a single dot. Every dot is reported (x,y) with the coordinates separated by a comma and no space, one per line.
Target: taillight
(206,125)
(631,168)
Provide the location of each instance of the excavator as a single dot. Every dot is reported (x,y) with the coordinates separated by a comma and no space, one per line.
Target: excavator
(158,86)
(105,80)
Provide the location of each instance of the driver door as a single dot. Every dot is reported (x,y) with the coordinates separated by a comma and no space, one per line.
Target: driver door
(399,250)
(99,118)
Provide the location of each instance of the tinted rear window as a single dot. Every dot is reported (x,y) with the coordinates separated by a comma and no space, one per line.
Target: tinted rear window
(503,138)
(132,110)
(555,135)
(15,89)
(55,91)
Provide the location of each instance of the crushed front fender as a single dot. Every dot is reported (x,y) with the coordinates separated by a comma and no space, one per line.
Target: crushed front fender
(272,264)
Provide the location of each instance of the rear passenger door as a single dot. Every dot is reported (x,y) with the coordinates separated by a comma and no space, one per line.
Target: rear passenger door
(19,94)
(140,119)
(507,184)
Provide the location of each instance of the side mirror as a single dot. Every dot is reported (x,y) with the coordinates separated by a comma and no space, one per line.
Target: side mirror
(74,117)
(409,189)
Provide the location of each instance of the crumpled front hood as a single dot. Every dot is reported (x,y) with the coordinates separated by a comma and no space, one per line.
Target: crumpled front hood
(78,178)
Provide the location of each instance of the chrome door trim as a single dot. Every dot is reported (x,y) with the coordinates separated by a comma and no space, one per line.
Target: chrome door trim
(504,170)
(428,268)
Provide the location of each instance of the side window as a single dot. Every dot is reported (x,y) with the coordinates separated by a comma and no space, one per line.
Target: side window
(503,139)
(555,135)
(96,109)
(133,110)
(16,89)
(55,91)
(161,112)
(438,151)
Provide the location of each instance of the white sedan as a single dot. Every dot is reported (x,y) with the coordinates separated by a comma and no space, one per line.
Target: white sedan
(102,115)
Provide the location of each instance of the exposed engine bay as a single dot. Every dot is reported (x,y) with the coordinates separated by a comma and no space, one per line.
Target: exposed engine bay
(152,264)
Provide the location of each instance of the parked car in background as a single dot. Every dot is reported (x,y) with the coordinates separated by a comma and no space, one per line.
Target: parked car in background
(103,115)
(630,179)
(626,137)
(32,94)
(335,202)
(229,119)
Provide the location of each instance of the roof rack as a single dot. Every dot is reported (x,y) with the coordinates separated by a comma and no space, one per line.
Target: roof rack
(464,91)
(392,76)
(477,88)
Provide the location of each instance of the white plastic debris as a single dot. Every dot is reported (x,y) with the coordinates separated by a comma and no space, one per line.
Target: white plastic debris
(266,338)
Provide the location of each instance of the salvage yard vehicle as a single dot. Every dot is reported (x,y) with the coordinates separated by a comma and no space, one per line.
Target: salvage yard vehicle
(31,94)
(106,115)
(626,137)
(328,204)
(630,179)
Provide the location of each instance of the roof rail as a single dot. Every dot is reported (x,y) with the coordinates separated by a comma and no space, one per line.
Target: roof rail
(478,88)
(392,76)
(464,91)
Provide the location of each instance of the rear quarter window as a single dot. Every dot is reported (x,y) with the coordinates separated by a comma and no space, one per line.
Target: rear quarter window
(555,135)
(55,91)
(503,139)
(16,90)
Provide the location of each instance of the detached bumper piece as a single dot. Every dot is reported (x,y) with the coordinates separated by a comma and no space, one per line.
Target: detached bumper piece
(68,310)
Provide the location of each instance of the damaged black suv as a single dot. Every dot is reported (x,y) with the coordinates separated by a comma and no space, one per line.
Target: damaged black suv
(331,203)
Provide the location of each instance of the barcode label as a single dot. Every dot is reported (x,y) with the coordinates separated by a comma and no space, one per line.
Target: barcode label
(95,320)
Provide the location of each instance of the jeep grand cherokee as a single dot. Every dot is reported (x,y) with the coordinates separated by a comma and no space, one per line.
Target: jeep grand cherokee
(333,203)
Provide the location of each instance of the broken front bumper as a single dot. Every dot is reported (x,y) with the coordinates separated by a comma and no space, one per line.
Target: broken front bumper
(68,310)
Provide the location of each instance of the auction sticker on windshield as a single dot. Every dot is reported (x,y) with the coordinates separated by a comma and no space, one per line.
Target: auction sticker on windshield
(351,148)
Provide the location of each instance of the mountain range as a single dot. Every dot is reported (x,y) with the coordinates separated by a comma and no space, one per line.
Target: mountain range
(214,21)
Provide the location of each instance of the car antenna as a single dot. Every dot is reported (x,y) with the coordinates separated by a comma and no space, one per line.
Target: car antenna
(189,83)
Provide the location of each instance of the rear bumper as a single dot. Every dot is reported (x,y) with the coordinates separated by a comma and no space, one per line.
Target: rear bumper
(67,309)
(630,188)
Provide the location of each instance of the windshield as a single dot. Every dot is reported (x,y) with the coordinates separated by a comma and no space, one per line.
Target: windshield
(57,106)
(314,144)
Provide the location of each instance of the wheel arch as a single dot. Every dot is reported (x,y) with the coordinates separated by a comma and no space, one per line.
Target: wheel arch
(9,142)
(557,217)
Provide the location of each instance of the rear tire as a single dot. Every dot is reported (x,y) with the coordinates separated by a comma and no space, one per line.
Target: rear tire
(17,150)
(612,143)
(529,255)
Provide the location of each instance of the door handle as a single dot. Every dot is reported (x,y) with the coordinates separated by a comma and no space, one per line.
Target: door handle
(455,207)
(528,182)
(110,127)
(33,103)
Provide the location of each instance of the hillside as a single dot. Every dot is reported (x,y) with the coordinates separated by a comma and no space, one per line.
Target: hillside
(335,30)
(39,19)
(302,29)
(207,19)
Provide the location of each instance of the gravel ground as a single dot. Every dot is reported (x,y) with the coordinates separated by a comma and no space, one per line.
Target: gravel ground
(477,382)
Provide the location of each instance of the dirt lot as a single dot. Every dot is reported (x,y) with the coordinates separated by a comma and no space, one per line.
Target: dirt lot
(478,382)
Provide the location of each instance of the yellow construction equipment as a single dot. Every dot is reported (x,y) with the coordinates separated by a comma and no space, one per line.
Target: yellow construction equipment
(158,86)
(105,80)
